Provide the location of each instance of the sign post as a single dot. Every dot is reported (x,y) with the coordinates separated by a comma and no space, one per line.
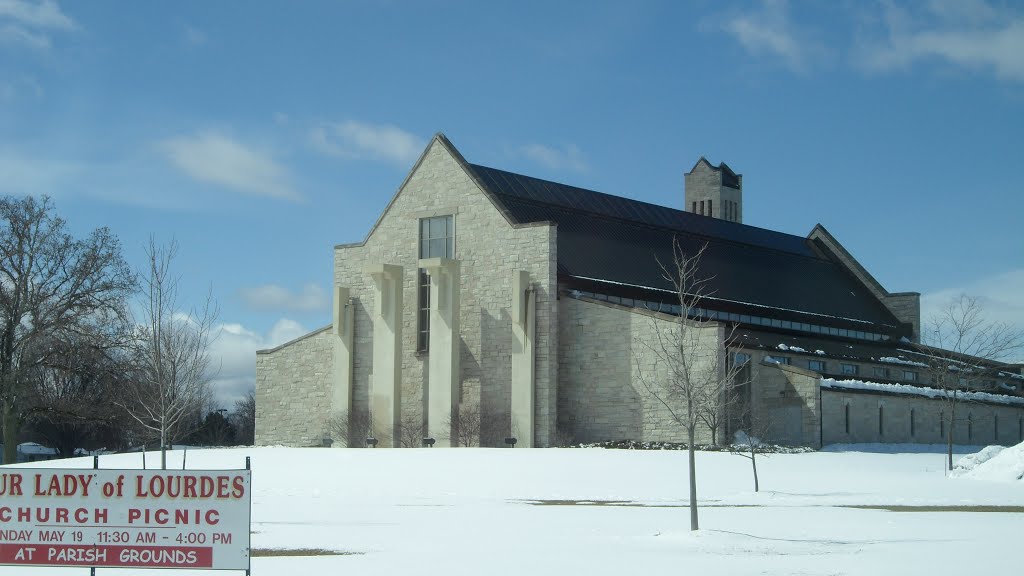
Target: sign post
(194,519)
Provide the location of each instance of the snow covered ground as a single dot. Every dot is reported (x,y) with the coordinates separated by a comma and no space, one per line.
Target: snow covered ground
(593,511)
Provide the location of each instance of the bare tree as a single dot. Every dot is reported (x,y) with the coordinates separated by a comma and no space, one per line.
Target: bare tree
(172,353)
(352,427)
(244,418)
(52,287)
(684,368)
(963,348)
(411,430)
(71,397)
(464,422)
(756,425)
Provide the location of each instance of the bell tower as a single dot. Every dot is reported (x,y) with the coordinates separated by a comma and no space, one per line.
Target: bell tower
(714,191)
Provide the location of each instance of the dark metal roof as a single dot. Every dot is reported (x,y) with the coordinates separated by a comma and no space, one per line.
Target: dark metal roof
(620,241)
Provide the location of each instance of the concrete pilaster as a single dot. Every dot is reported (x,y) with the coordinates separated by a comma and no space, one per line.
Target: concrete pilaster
(444,370)
(386,381)
(523,365)
(342,332)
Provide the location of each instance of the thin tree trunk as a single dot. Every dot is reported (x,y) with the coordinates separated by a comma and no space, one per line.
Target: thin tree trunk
(949,434)
(693,481)
(163,450)
(10,433)
(753,462)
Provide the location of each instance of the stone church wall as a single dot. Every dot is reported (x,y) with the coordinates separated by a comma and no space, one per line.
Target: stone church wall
(601,395)
(489,250)
(293,391)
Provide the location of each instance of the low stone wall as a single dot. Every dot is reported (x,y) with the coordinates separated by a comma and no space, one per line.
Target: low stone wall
(854,416)
(293,387)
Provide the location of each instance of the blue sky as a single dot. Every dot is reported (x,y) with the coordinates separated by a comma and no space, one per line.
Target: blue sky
(261,134)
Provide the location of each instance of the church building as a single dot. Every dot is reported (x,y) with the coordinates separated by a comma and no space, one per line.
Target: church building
(485,305)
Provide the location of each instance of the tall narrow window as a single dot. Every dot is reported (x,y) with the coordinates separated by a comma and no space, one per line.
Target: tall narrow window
(911,422)
(846,417)
(437,240)
(694,207)
(942,424)
(970,426)
(881,420)
(701,207)
(710,213)
(995,428)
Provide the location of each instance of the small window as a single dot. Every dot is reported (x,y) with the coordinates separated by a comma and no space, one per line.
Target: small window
(694,207)
(881,421)
(910,375)
(846,417)
(849,369)
(911,422)
(777,359)
(742,358)
(995,427)
(816,365)
(702,208)
(710,213)
(880,372)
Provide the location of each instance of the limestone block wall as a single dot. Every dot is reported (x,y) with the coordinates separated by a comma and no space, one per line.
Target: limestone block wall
(788,397)
(489,249)
(906,306)
(601,395)
(857,416)
(293,391)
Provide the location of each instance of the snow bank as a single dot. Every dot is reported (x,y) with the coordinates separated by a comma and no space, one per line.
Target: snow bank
(918,391)
(971,461)
(994,464)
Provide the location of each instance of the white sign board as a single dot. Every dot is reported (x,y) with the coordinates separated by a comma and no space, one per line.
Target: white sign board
(125,518)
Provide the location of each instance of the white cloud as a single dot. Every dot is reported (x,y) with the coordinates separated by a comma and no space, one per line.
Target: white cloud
(568,157)
(360,140)
(26,174)
(771,32)
(273,297)
(28,23)
(10,34)
(194,36)
(217,159)
(1001,295)
(234,352)
(972,35)
(45,14)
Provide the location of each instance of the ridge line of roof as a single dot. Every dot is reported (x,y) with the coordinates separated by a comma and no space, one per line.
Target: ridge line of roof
(633,221)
